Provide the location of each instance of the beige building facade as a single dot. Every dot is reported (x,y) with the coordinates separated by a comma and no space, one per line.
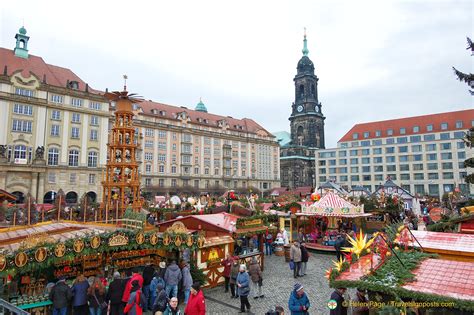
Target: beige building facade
(54,132)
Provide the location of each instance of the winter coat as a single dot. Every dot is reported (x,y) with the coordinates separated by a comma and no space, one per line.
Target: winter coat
(115,292)
(173,275)
(79,292)
(255,272)
(234,272)
(60,294)
(304,254)
(360,310)
(97,300)
(148,273)
(168,311)
(160,301)
(296,303)
(128,286)
(244,280)
(187,278)
(154,286)
(295,253)
(227,263)
(133,305)
(339,310)
(196,304)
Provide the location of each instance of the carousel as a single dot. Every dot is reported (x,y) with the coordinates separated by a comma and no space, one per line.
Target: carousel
(322,221)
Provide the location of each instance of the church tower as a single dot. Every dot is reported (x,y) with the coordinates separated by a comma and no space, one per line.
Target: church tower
(307,128)
(307,120)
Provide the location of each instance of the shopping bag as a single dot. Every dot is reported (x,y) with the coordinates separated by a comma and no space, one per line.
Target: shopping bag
(292,265)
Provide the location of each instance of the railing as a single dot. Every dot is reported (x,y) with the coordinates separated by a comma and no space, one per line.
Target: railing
(10,309)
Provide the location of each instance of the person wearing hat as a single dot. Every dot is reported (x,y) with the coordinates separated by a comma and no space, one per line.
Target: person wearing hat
(136,301)
(299,302)
(196,304)
(234,272)
(162,270)
(60,295)
(338,296)
(115,293)
(161,300)
(243,288)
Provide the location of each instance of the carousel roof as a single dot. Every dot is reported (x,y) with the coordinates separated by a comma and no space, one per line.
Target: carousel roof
(333,205)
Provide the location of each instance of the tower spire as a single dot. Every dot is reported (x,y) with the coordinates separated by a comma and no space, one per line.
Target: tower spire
(305,47)
(125,77)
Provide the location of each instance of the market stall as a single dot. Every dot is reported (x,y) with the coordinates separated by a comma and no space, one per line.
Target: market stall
(32,257)
(322,221)
(225,233)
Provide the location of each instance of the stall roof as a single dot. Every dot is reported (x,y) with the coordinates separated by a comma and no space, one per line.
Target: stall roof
(222,221)
(5,195)
(11,238)
(333,205)
(444,277)
(450,242)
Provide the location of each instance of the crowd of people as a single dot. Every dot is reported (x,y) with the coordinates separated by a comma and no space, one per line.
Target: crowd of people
(131,293)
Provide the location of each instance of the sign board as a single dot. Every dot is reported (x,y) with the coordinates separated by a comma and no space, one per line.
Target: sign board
(21,161)
(251,222)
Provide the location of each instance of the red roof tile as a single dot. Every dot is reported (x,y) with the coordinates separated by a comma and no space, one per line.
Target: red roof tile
(197,117)
(360,268)
(445,241)
(466,116)
(444,277)
(56,76)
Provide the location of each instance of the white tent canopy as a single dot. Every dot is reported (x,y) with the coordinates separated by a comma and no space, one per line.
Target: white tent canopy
(333,205)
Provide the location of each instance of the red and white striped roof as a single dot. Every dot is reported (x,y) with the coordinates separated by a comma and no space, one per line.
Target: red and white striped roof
(332,200)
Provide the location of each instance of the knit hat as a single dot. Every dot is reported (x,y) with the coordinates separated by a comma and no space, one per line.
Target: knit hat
(116,275)
(196,286)
(297,287)
(162,265)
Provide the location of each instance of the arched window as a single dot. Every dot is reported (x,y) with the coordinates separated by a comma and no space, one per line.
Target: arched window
(313,90)
(299,135)
(73,157)
(53,156)
(92,159)
(20,152)
(301,91)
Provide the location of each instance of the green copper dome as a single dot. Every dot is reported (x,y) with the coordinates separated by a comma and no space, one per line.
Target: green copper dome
(22,30)
(200,107)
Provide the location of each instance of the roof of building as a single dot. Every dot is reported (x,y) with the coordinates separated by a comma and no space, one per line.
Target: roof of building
(54,75)
(200,107)
(206,119)
(333,185)
(446,242)
(466,116)
(444,277)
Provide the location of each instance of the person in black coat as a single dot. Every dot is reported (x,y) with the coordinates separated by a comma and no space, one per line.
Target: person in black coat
(115,293)
(60,295)
(338,296)
(148,273)
(304,258)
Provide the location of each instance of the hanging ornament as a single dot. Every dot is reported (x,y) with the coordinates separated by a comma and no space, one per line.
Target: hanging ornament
(3,262)
(189,241)
(78,246)
(201,241)
(166,239)
(95,242)
(60,250)
(154,239)
(21,259)
(178,241)
(140,238)
(41,254)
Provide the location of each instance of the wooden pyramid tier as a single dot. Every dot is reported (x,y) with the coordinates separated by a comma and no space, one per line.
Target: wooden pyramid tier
(121,182)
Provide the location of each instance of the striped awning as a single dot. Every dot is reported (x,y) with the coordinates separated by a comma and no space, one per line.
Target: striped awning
(333,205)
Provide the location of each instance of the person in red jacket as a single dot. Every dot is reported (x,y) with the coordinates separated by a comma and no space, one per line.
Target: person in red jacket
(227,263)
(128,287)
(196,303)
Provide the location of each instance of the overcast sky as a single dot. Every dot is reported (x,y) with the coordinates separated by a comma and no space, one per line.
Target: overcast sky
(375,60)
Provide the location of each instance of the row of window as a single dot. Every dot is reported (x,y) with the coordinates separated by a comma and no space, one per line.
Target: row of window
(381,177)
(76,102)
(415,129)
(393,159)
(72,178)
(196,183)
(401,140)
(73,157)
(187,170)
(390,168)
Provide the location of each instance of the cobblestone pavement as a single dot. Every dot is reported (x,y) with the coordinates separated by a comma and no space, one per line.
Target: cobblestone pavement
(278,282)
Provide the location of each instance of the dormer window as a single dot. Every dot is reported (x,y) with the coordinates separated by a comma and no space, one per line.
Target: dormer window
(74,85)
(154,111)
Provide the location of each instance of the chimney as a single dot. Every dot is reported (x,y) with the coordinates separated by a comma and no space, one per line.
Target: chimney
(67,84)
(87,87)
(44,78)
(5,70)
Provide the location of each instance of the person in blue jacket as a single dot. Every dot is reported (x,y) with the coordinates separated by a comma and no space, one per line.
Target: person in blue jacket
(243,288)
(299,302)
(79,292)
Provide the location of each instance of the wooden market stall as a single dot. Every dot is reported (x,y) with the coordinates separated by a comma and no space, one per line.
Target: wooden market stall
(224,233)
(33,256)
(320,220)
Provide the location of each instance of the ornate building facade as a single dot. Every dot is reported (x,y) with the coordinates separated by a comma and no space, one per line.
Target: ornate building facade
(54,132)
(306,125)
